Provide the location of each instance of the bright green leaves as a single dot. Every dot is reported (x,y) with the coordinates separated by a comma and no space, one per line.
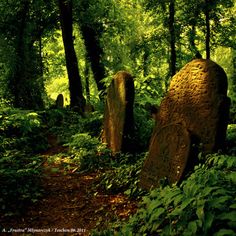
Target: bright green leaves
(88,152)
(23,121)
(203,201)
(123,176)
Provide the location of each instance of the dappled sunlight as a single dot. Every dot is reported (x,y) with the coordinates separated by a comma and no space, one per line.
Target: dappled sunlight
(118,199)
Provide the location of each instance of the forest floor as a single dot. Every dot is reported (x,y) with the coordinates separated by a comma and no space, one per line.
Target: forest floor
(71,204)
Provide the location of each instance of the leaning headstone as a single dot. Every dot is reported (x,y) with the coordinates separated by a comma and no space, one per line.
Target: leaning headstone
(197,101)
(60,101)
(118,117)
(168,156)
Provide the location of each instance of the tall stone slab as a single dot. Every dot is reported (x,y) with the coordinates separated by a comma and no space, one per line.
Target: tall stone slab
(197,101)
(118,117)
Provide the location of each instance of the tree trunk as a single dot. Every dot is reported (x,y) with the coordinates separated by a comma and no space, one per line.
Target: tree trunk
(233,93)
(77,99)
(172,37)
(208,33)
(193,46)
(94,54)
(19,72)
(86,73)
(145,59)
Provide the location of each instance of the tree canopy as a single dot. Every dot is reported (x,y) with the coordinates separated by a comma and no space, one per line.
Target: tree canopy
(150,39)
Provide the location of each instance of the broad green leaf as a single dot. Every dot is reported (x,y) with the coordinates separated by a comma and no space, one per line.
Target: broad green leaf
(178,199)
(219,203)
(231,162)
(232,177)
(225,232)
(228,216)
(220,191)
(153,205)
(233,206)
(128,192)
(170,197)
(207,190)
(191,229)
(156,214)
(186,203)
(209,218)
(200,212)
(179,210)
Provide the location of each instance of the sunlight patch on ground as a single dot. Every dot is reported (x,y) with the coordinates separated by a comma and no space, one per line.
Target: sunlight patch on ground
(88,177)
(117,199)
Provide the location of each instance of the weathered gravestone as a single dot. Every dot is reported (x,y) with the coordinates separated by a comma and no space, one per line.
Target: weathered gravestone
(197,103)
(60,101)
(118,118)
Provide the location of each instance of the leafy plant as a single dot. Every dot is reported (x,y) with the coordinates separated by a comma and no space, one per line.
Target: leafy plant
(88,152)
(21,130)
(231,139)
(204,204)
(19,180)
(65,123)
(123,177)
(143,127)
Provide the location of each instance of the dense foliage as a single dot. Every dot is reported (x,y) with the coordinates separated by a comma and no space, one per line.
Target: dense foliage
(20,166)
(41,51)
(204,204)
(142,35)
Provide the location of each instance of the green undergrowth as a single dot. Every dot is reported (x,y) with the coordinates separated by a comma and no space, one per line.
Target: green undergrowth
(21,136)
(20,181)
(21,130)
(65,123)
(88,152)
(24,135)
(204,204)
(124,175)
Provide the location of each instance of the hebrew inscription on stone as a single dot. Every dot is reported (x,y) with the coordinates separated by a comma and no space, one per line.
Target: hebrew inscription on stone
(168,156)
(197,99)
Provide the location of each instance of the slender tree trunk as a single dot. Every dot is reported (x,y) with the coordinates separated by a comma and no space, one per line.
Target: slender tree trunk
(41,55)
(77,99)
(145,61)
(208,33)
(233,93)
(94,54)
(172,37)
(86,72)
(193,46)
(19,68)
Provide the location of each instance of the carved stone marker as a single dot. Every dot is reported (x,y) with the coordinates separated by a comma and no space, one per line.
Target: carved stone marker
(60,101)
(168,156)
(118,118)
(197,101)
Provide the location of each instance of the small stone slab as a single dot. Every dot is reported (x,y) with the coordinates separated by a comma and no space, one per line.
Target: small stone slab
(168,155)
(60,101)
(118,116)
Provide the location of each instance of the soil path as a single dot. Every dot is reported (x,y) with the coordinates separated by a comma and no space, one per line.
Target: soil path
(70,205)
